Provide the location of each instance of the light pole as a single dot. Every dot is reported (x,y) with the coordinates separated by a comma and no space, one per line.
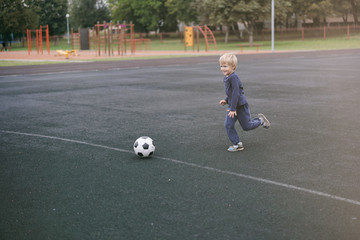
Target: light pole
(272,25)
(67,20)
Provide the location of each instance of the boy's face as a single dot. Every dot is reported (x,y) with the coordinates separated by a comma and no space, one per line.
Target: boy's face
(226,69)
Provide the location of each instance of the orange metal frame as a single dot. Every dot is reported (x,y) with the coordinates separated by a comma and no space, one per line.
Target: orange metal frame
(39,39)
(106,34)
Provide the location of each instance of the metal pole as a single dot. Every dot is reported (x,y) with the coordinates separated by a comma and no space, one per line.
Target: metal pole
(67,20)
(272,25)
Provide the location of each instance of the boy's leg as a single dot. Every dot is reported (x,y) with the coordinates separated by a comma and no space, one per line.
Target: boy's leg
(244,117)
(230,129)
(265,122)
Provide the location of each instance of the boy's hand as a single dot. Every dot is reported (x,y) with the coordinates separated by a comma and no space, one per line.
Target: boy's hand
(222,102)
(231,114)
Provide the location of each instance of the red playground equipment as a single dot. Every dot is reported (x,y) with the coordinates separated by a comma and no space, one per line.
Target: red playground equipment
(209,37)
(38,39)
(108,36)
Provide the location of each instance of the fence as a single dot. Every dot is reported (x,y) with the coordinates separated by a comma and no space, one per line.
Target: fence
(309,33)
(345,32)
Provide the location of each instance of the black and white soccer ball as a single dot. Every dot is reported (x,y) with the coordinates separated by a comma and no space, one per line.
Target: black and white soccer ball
(144,146)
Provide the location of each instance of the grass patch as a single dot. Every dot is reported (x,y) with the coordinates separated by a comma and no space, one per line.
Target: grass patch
(299,45)
(318,44)
(280,45)
(6,63)
(177,44)
(129,58)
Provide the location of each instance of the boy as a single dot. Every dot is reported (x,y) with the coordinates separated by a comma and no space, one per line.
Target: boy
(238,109)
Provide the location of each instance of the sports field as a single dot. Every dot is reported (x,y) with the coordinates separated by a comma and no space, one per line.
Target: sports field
(68,171)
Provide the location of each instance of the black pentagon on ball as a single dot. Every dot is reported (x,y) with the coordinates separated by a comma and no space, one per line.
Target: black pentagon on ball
(140,154)
(151,153)
(136,144)
(145,146)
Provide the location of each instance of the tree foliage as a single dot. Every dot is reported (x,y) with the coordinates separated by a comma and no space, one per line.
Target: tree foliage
(342,9)
(147,15)
(53,13)
(317,10)
(164,15)
(184,10)
(229,12)
(86,13)
(16,16)
(355,8)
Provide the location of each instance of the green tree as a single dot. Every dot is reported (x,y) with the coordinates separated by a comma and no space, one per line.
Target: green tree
(16,16)
(283,12)
(218,13)
(86,13)
(342,9)
(183,10)
(122,11)
(229,12)
(317,10)
(147,15)
(251,12)
(167,20)
(52,13)
(355,5)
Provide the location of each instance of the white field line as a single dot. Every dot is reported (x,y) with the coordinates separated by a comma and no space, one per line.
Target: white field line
(262,180)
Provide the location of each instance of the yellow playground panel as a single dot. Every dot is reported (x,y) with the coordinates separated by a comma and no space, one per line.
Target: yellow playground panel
(194,31)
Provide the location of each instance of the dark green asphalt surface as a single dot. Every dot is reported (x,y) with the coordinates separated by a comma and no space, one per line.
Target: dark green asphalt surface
(67,170)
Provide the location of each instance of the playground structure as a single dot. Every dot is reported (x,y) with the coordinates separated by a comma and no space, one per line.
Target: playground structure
(110,39)
(107,36)
(75,40)
(104,38)
(209,37)
(38,39)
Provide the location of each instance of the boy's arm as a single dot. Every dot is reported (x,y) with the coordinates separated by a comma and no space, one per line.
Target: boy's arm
(235,94)
(222,102)
(232,114)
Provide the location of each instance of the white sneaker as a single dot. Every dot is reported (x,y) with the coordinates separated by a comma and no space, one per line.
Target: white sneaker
(235,148)
(266,122)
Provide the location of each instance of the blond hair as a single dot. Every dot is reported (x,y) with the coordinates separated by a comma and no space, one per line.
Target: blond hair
(229,59)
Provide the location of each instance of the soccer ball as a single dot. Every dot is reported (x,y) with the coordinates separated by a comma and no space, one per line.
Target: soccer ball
(144,146)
